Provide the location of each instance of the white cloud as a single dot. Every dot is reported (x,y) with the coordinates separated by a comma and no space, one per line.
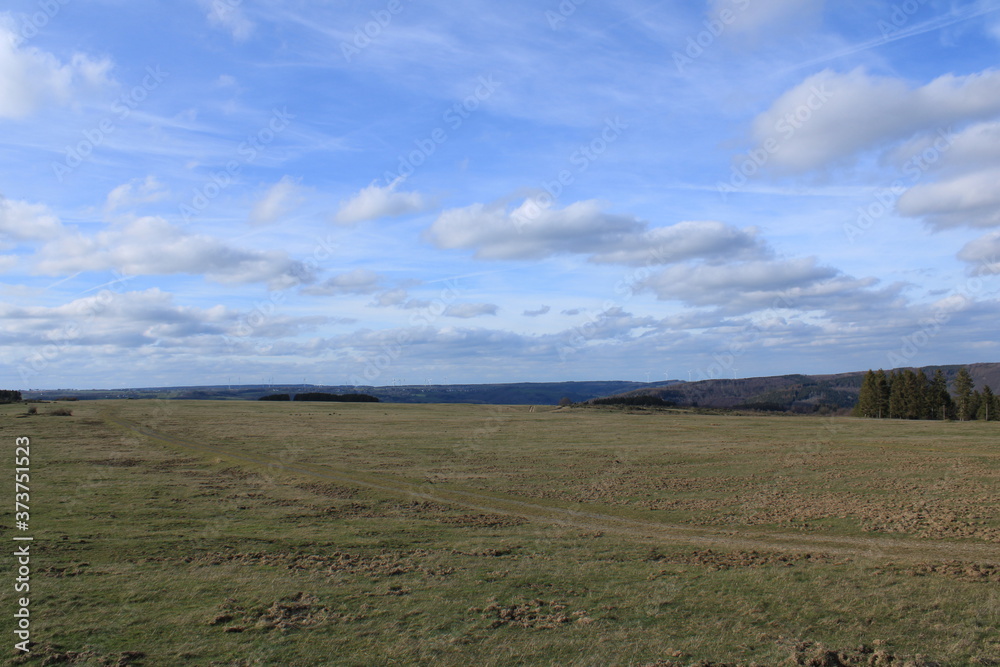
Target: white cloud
(830,118)
(133,193)
(393,297)
(972,199)
(799,284)
(152,246)
(537,312)
(470,310)
(358,281)
(535,230)
(31,78)
(375,202)
(22,221)
(228,16)
(983,252)
(280,199)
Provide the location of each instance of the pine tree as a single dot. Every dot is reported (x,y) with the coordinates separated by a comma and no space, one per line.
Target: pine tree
(914,394)
(974,404)
(882,382)
(963,394)
(897,396)
(988,406)
(868,397)
(939,403)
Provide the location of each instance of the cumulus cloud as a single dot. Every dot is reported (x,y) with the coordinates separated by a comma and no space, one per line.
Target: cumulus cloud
(801,284)
(830,117)
(280,199)
(23,221)
(133,193)
(393,297)
(983,252)
(152,246)
(534,230)
(971,199)
(375,202)
(470,310)
(358,281)
(31,78)
(537,312)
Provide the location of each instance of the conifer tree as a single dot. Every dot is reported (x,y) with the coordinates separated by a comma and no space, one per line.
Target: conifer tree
(988,406)
(897,396)
(882,382)
(963,394)
(868,397)
(939,403)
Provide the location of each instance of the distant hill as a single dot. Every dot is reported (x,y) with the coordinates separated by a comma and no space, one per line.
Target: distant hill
(793,393)
(520,393)
(797,393)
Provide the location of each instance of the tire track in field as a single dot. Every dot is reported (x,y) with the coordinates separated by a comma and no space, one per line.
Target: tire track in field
(877,548)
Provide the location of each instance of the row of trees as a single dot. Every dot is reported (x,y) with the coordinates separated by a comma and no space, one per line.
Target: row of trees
(10,396)
(909,394)
(321,396)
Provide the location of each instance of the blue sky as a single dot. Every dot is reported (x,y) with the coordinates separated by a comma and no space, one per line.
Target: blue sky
(372,193)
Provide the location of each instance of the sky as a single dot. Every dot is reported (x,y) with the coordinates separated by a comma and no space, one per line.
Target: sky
(205,192)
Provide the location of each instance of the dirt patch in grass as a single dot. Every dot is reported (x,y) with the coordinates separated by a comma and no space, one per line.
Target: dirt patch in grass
(715,560)
(811,654)
(52,654)
(302,610)
(329,490)
(957,569)
(530,614)
(484,520)
(377,565)
(119,462)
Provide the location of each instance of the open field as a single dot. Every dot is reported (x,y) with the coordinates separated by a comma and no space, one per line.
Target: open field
(246,533)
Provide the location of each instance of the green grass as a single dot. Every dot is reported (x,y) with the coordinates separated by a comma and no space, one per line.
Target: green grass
(451,534)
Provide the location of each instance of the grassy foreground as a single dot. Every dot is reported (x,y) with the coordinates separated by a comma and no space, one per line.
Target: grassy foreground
(245,533)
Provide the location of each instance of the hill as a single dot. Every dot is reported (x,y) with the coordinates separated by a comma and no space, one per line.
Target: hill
(793,393)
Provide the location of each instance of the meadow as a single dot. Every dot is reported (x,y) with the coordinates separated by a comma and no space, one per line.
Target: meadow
(248,533)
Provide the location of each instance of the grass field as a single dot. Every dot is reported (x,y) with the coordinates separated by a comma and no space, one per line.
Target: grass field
(246,533)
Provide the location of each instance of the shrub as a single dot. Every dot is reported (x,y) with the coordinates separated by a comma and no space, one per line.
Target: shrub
(32,410)
(61,412)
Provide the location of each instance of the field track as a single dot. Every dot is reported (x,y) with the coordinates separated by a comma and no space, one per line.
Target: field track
(879,548)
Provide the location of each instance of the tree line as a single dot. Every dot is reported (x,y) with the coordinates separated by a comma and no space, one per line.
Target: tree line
(909,394)
(9,396)
(322,396)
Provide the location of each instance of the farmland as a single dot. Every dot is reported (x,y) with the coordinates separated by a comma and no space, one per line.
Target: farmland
(247,533)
